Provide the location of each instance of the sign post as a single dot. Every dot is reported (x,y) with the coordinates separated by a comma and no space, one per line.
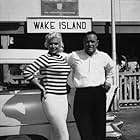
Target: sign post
(114,55)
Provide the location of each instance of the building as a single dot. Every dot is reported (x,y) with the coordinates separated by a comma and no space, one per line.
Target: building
(13,19)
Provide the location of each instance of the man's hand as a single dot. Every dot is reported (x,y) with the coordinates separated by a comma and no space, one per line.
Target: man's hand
(68,88)
(107,86)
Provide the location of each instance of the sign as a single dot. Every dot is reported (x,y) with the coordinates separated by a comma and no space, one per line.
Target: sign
(62,25)
(59,7)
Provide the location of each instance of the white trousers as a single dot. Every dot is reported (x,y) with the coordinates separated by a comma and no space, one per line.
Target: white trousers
(56,110)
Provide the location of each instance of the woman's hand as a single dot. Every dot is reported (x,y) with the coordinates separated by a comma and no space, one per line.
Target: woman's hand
(37,83)
(43,93)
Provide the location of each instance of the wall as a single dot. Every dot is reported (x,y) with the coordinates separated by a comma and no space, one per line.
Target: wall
(99,10)
(128,10)
(18,10)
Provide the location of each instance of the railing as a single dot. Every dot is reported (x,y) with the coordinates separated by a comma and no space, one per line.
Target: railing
(129,89)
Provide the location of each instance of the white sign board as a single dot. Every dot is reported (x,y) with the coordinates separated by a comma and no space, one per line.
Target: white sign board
(62,25)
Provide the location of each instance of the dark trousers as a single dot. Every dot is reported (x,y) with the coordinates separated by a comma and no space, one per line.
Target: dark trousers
(90,112)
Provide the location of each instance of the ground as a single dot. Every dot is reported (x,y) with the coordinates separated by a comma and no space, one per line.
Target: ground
(131,126)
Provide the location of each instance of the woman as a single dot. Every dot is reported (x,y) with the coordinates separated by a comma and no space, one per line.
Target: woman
(53,85)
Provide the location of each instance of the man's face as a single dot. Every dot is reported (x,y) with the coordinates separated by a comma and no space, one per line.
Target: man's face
(90,44)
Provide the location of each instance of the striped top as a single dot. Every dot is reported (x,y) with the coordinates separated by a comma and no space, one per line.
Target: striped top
(55,71)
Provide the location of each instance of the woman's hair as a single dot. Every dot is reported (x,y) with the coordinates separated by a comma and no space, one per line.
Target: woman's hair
(49,36)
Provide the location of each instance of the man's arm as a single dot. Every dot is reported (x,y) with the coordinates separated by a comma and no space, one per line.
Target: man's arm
(109,73)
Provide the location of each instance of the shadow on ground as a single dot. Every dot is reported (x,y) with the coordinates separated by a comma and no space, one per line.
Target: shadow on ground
(131,125)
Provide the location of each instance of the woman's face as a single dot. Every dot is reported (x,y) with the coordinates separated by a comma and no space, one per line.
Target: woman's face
(54,45)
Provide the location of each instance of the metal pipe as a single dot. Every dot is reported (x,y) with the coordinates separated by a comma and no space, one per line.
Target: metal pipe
(114,56)
(113,37)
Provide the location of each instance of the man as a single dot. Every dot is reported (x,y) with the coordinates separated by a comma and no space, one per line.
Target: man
(92,76)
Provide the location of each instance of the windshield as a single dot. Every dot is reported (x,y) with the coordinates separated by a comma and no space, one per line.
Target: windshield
(11,78)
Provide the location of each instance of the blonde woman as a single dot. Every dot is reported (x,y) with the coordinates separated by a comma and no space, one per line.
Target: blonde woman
(53,85)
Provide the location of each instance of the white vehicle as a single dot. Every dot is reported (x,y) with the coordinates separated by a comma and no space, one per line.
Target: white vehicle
(21,113)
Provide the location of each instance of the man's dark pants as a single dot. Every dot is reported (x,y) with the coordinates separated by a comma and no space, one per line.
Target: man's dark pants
(90,112)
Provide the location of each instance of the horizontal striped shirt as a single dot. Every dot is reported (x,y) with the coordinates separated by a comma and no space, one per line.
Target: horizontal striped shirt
(55,71)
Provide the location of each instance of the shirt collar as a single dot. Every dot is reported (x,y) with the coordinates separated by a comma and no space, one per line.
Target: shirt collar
(95,53)
(53,54)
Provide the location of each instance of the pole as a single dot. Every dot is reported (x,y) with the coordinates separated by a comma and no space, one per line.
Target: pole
(113,34)
(114,56)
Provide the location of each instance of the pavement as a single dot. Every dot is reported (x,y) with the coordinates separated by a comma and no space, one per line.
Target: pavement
(131,123)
